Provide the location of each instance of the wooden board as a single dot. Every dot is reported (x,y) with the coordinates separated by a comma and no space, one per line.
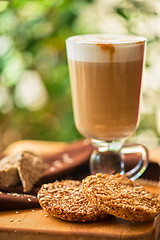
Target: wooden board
(35,224)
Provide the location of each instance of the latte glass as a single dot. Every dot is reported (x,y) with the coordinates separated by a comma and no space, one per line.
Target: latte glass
(105,75)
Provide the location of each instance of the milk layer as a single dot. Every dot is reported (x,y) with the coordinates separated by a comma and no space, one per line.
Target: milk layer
(105,48)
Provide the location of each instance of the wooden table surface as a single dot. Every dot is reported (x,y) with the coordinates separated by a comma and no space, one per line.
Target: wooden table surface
(35,224)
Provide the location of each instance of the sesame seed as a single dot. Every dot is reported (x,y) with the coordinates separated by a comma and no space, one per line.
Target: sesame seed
(65,155)
(52,169)
(57,163)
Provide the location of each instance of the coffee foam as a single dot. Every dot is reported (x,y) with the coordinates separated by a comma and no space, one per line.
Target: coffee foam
(105,48)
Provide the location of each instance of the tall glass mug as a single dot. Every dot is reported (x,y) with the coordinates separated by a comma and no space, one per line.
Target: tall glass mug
(105,74)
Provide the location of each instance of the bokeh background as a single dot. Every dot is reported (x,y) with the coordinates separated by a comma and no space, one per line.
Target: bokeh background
(35,98)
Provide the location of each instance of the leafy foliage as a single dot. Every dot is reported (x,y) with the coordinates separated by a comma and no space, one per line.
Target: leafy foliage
(32,40)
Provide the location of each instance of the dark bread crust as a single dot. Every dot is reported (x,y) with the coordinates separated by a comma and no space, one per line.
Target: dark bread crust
(121,197)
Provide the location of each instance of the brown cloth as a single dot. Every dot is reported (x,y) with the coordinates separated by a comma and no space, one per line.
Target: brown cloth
(72,163)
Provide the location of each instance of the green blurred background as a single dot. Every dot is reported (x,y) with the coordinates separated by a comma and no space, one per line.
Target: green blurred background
(35,99)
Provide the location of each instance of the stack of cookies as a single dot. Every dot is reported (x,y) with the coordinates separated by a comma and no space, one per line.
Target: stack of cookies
(97,197)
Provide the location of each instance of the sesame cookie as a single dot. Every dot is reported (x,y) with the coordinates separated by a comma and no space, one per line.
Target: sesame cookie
(121,197)
(65,199)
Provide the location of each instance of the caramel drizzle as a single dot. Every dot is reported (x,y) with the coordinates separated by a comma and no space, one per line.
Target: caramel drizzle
(109,48)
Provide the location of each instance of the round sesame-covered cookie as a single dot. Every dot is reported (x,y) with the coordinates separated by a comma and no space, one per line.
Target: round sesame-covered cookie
(121,197)
(65,199)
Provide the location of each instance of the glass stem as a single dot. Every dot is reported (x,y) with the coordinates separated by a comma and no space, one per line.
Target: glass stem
(106,158)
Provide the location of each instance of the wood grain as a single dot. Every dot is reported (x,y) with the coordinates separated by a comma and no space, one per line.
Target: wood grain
(38,225)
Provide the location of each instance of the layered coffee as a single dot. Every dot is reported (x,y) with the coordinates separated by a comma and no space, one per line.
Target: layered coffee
(105,73)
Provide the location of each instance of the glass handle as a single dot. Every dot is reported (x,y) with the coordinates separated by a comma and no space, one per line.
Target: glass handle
(141,166)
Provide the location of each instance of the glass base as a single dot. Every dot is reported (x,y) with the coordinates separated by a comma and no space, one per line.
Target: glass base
(107,158)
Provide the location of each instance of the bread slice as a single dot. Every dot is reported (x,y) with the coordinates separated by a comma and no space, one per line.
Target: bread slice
(24,167)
